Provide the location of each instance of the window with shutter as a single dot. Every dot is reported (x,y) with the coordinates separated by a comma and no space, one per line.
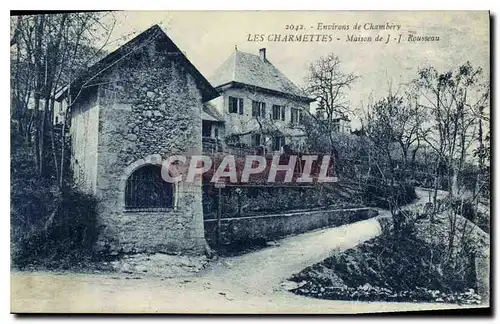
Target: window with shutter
(278,142)
(296,116)
(233,105)
(276,112)
(240,106)
(256,139)
(258,109)
(255,107)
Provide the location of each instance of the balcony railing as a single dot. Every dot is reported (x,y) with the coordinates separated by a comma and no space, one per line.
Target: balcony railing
(211,145)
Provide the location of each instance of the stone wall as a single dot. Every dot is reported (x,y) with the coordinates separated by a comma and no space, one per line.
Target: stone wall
(150,107)
(269,227)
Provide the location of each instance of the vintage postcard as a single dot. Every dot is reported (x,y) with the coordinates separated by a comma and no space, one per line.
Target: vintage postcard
(263,162)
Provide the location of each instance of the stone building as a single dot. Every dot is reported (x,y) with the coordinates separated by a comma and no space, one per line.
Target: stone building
(260,106)
(139,104)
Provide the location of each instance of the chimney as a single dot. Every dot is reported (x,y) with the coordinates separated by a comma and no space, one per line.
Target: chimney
(262,54)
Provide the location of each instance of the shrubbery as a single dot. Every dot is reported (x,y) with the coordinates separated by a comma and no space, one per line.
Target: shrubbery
(383,196)
(242,201)
(50,227)
(469,210)
(397,266)
(65,238)
(410,261)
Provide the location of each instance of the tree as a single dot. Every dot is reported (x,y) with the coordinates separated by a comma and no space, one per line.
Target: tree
(454,99)
(47,51)
(393,124)
(451,98)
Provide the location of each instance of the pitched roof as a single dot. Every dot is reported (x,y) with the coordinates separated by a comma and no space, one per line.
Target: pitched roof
(155,33)
(250,69)
(210,113)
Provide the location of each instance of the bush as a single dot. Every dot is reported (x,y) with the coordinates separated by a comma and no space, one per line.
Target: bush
(404,223)
(378,194)
(467,209)
(388,268)
(32,197)
(242,201)
(50,227)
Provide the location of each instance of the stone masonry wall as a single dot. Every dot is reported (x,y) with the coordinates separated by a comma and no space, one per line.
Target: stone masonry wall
(270,227)
(150,108)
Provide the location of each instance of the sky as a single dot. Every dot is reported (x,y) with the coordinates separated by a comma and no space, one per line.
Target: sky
(209,37)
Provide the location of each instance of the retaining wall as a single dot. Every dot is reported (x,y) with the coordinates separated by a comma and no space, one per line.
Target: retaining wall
(269,227)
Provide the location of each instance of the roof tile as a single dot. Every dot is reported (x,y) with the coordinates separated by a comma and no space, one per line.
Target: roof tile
(250,69)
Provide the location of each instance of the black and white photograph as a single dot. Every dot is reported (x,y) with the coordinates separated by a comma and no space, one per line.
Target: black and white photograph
(250,162)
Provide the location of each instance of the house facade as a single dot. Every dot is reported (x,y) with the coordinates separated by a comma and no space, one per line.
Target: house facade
(137,106)
(213,129)
(261,108)
(342,125)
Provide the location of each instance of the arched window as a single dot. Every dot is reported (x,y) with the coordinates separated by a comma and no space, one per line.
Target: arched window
(146,189)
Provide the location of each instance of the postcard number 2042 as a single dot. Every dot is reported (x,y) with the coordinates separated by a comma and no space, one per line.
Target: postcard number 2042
(294,27)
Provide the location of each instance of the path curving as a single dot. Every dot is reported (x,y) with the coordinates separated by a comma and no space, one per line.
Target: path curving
(249,283)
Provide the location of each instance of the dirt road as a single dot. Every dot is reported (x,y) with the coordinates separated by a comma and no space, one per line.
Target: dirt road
(249,283)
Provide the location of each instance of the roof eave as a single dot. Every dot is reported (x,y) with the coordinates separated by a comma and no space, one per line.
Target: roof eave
(208,91)
(227,85)
(209,96)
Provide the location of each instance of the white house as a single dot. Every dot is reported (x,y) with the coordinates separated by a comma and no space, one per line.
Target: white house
(260,106)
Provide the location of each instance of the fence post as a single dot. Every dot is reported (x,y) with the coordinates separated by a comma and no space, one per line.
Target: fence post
(238,192)
(219,186)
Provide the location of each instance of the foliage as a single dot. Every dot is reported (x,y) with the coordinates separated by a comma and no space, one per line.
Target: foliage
(468,209)
(67,241)
(393,125)
(251,200)
(389,268)
(51,221)
(32,198)
(381,195)
(50,226)
(455,101)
